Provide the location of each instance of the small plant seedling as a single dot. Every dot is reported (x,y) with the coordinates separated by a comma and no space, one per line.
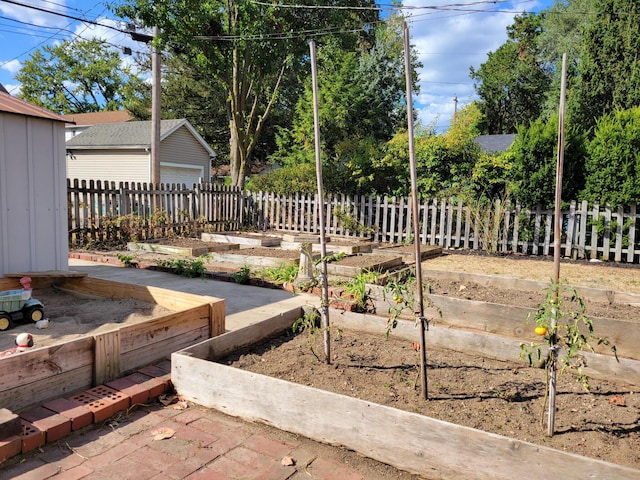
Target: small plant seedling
(185,267)
(285,272)
(311,324)
(357,288)
(127,259)
(242,276)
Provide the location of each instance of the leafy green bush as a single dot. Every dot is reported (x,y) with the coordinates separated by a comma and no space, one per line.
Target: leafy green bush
(613,166)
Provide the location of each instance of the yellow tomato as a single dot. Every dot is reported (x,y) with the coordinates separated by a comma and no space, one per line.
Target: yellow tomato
(397,299)
(541,331)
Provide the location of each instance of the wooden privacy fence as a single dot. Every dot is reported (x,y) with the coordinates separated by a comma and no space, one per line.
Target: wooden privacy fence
(106,212)
(103,212)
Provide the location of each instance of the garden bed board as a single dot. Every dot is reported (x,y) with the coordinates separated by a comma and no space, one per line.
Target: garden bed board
(352,266)
(188,250)
(243,238)
(408,252)
(510,321)
(258,256)
(411,442)
(60,369)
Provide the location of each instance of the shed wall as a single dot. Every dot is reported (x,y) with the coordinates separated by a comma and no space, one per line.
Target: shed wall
(33,206)
(182,148)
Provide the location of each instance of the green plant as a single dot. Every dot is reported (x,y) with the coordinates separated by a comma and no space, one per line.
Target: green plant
(185,267)
(310,323)
(357,288)
(347,218)
(127,259)
(242,276)
(284,272)
(400,293)
(572,332)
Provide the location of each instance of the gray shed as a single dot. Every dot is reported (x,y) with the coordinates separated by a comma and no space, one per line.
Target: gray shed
(33,189)
(121,152)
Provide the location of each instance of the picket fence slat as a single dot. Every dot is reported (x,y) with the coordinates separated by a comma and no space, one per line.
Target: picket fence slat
(103,211)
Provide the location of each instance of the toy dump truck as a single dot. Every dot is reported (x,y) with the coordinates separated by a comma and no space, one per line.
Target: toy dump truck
(17,305)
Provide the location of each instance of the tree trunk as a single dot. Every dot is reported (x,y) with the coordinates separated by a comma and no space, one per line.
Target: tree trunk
(237,155)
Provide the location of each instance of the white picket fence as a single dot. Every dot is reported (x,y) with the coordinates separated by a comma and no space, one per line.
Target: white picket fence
(589,231)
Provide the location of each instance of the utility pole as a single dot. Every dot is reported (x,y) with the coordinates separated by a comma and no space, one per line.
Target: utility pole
(155,112)
(455,105)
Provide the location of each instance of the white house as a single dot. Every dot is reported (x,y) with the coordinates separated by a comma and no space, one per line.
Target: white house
(122,152)
(33,189)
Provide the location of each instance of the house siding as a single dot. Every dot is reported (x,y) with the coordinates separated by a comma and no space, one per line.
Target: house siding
(111,165)
(182,148)
(33,207)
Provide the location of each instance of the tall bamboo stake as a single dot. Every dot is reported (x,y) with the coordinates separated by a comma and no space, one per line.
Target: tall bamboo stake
(557,233)
(421,321)
(324,302)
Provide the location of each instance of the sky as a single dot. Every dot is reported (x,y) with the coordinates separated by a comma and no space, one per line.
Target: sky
(450,36)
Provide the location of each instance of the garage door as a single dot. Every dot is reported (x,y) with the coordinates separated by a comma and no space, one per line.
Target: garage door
(187,175)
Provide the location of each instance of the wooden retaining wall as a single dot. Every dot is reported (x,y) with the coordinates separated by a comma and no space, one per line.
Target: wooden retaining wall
(411,442)
(40,374)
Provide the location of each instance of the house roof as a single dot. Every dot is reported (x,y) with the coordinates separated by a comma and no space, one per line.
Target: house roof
(96,118)
(11,104)
(495,143)
(129,135)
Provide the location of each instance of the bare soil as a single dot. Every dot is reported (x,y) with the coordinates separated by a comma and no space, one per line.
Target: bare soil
(506,398)
(72,316)
(501,397)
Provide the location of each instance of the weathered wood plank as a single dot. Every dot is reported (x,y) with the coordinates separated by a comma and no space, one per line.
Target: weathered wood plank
(423,445)
(106,363)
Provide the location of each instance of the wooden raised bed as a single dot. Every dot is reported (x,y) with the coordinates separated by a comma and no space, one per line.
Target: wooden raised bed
(408,441)
(157,247)
(256,257)
(353,266)
(41,374)
(408,252)
(242,238)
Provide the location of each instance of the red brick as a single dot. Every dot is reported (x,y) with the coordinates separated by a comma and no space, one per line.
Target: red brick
(156,386)
(9,424)
(74,473)
(32,437)
(53,424)
(120,400)
(10,447)
(164,365)
(267,445)
(99,407)
(135,391)
(79,415)
(153,371)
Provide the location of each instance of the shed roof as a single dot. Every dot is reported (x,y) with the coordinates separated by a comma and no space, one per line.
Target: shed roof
(495,143)
(95,118)
(14,105)
(129,135)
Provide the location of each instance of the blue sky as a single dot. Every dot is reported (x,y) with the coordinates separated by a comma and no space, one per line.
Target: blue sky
(449,40)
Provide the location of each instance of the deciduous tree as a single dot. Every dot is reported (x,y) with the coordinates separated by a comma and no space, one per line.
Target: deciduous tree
(79,76)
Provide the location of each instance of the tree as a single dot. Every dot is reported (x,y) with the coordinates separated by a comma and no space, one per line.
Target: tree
(534,153)
(79,76)
(608,73)
(361,106)
(513,81)
(613,167)
(248,48)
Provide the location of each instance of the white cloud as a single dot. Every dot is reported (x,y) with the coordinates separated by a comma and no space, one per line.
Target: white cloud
(37,17)
(12,66)
(449,41)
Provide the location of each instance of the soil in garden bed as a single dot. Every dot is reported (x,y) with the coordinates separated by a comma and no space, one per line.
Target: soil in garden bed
(265,252)
(72,316)
(500,397)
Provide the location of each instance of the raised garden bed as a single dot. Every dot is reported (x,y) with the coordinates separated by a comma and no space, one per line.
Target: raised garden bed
(262,257)
(243,238)
(408,252)
(411,442)
(41,374)
(185,247)
(354,265)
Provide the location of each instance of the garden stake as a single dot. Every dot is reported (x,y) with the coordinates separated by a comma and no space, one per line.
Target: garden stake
(419,308)
(557,232)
